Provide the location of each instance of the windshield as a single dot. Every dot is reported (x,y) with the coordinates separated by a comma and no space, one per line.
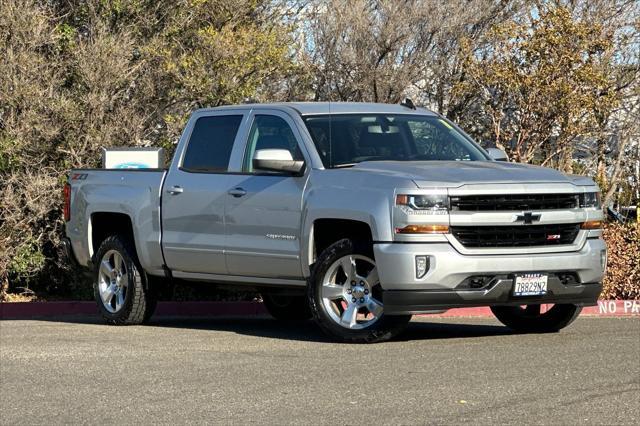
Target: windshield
(344,140)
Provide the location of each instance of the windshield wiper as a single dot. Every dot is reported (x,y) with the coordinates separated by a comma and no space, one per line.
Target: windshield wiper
(342,166)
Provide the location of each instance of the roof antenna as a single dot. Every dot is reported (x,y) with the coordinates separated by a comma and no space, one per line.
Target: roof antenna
(408,103)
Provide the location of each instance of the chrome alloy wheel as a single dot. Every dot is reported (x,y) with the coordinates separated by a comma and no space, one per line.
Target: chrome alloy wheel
(112,281)
(351,292)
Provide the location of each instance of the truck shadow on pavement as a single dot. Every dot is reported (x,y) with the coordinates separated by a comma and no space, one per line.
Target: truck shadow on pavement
(306,331)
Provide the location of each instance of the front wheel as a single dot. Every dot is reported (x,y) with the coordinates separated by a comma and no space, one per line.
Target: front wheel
(345,296)
(531,319)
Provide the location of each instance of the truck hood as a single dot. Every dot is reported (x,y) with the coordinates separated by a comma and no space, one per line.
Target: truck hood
(458,173)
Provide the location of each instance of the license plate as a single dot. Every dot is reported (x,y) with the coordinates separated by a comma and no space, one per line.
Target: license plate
(530,285)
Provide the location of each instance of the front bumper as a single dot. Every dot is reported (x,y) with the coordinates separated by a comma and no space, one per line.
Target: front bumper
(445,284)
(401,302)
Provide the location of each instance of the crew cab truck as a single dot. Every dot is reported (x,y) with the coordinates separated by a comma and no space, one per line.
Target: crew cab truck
(358,215)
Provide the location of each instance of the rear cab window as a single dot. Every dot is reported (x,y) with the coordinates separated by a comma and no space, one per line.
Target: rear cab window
(211,142)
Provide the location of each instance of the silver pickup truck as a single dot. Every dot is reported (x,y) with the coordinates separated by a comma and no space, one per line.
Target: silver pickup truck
(358,215)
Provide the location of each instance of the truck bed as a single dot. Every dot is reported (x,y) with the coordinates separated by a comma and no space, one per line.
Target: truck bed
(132,192)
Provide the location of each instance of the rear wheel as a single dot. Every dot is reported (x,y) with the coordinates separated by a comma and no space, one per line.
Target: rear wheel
(121,287)
(285,307)
(533,319)
(345,296)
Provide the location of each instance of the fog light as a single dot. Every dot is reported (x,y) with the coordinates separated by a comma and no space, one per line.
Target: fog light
(422,266)
(603,260)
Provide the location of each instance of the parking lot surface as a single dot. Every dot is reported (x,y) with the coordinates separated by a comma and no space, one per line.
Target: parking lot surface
(258,371)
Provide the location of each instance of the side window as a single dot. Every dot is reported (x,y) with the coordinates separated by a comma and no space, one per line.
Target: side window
(270,132)
(211,142)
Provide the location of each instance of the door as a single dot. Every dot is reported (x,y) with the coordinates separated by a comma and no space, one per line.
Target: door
(264,211)
(194,195)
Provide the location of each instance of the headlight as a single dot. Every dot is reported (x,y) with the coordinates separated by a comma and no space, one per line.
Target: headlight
(423,204)
(434,205)
(590,199)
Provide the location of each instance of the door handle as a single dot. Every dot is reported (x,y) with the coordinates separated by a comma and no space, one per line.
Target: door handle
(175,190)
(237,192)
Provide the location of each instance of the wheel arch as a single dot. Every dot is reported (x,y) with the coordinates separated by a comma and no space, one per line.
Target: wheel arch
(327,230)
(105,224)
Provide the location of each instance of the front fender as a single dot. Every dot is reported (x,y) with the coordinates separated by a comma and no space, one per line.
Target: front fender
(359,201)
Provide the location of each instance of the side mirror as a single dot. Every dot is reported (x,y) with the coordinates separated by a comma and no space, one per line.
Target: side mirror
(497,154)
(276,160)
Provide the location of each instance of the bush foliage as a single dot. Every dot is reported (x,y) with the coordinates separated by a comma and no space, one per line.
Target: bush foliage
(77,76)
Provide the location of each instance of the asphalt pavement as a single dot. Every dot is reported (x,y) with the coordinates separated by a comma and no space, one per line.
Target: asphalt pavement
(258,371)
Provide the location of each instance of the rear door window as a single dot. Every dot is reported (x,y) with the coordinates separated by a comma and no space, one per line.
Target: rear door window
(211,142)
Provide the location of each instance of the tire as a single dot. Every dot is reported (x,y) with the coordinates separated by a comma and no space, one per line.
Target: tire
(121,288)
(361,318)
(530,320)
(286,307)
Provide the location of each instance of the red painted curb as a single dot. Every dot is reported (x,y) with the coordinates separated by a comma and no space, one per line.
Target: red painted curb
(26,310)
(605,308)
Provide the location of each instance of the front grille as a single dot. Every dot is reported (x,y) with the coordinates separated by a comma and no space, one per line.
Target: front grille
(514,202)
(516,236)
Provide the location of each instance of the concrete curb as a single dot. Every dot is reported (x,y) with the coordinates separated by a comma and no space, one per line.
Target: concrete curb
(28,310)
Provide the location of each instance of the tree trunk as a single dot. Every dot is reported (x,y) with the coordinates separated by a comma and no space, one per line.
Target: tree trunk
(615,174)
(566,159)
(601,165)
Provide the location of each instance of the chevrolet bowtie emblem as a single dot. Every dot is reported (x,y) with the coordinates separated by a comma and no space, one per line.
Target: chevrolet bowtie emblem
(528,218)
